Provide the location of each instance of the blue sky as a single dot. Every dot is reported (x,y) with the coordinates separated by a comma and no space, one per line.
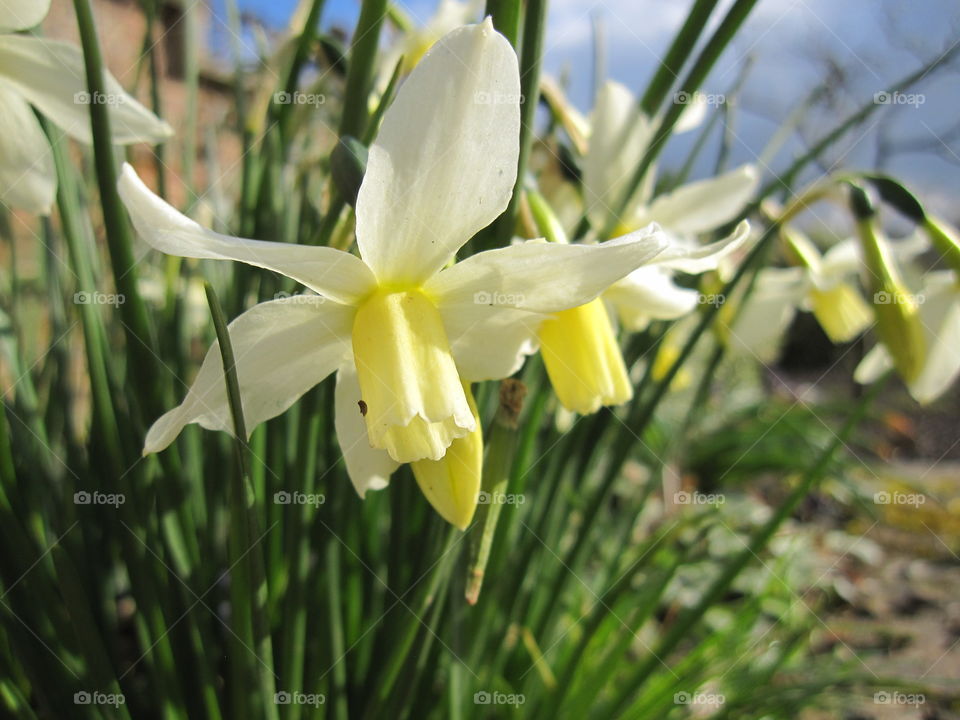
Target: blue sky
(794,44)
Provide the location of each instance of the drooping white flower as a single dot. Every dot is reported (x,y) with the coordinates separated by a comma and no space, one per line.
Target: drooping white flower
(49,76)
(940,319)
(405,333)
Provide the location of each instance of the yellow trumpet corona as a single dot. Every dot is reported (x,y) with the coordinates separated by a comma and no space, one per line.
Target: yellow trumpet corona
(452,483)
(407,376)
(583,359)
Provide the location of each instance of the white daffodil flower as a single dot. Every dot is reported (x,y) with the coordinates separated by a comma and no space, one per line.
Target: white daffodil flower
(49,75)
(613,142)
(825,285)
(414,42)
(619,136)
(649,293)
(579,346)
(405,332)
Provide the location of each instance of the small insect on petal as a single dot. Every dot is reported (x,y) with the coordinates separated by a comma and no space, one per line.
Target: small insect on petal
(363,408)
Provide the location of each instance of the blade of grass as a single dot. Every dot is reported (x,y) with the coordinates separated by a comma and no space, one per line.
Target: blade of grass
(253,629)
(149,382)
(668,72)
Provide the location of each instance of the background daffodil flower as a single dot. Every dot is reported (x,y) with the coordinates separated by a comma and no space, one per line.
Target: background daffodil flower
(938,302)
(619,136)
(49,75)
(579,346)
(403,330)
(414,42)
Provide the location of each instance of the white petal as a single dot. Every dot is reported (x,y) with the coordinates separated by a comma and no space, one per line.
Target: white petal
(50,75)
(649,293)
(28,179)
(762,320)
(693,115)
(940,314)
(282,349)
(329,272)
(22,14)
(445,161)
(619,137)
(369,468)
(840,261)
(543,277)
(873,366)
(489,342)
(706,204)
(704,258)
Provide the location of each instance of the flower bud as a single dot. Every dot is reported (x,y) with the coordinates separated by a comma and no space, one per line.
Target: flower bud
(898,319)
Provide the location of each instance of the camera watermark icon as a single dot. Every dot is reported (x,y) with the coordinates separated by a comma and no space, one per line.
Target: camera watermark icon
(299,98)
(298,498)
(300,298)
(98,98)
(715,299)
(883,297)
(498,98)
(898,98)
(298,698)
(96,697)
(85,297)
(482,297)
(686,98)
(712,700)
(498,698)
(885,697)
(899,498)
(499,498)
(83,497)
(698,498)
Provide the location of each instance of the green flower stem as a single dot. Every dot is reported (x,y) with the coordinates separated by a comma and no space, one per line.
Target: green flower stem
(106,435)
(140,342)
(638,418)
(646,605)
(360,72)
(150,8)
(374,125)
(496,475)
(354,120)
(531,57)
(100,671)
(191,81)
(246,555)
(293,641)
(671,65)
(691,83)
(97,351)
(681,628)
(400,649)
(506,18)
(337,667)
(307,37)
